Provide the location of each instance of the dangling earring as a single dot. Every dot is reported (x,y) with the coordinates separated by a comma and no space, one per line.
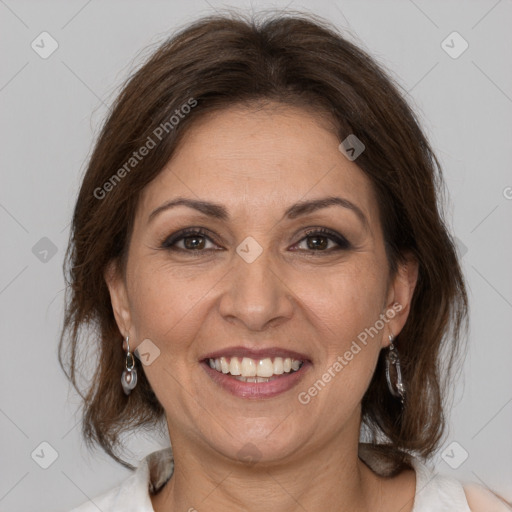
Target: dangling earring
(129,376)
(398,390)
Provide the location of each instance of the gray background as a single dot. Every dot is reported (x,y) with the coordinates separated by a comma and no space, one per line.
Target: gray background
(52,108)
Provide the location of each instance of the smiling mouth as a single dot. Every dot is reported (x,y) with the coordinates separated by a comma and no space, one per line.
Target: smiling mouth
(246,369)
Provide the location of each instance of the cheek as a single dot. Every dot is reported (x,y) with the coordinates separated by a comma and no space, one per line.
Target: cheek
(339,303)
(347,310)
(167,302)
(344,302)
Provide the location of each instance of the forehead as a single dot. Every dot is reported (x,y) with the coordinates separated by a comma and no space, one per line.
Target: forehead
(256,159)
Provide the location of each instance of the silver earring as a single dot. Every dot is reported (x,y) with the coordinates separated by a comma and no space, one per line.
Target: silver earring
(129,376)
(397,389)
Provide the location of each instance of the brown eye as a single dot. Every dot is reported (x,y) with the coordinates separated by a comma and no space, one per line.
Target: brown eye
(194,242)
(319,240)
(191,240)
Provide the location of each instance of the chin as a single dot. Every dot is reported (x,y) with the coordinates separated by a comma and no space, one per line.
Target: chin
(263,443)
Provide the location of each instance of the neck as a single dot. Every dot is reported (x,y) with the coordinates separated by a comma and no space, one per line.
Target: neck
(330,478)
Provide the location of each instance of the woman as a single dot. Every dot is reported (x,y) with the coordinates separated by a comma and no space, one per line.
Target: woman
(259,224)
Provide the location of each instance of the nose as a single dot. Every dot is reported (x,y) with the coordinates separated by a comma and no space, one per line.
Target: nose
(257,295)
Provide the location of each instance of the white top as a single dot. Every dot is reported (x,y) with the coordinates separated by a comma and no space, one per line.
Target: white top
(434,492)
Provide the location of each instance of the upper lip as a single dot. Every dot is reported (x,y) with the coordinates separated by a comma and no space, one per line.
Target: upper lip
(255,353)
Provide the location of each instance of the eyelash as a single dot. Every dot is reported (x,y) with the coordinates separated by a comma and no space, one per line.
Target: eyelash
(169,242)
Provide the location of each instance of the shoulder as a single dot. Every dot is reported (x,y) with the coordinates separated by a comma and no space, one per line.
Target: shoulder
(133,494)
(424,489)
(131,490)
(104,502)
(481,499)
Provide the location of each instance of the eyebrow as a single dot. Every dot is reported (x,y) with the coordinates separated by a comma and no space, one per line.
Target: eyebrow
(219,212)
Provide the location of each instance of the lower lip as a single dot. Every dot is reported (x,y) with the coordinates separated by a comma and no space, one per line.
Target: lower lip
(257,390)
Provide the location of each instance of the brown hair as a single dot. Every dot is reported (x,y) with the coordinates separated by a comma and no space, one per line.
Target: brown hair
(295,59)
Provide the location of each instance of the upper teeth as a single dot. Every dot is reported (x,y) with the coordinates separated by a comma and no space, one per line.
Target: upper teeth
(247,367)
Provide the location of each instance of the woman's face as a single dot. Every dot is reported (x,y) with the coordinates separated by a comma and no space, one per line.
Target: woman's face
(254,284)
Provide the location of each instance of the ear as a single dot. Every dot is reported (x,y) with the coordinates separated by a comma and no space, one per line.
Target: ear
(400,294)
(118,297)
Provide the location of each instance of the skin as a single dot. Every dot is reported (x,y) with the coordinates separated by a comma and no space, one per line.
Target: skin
(482,499)
(257,162)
